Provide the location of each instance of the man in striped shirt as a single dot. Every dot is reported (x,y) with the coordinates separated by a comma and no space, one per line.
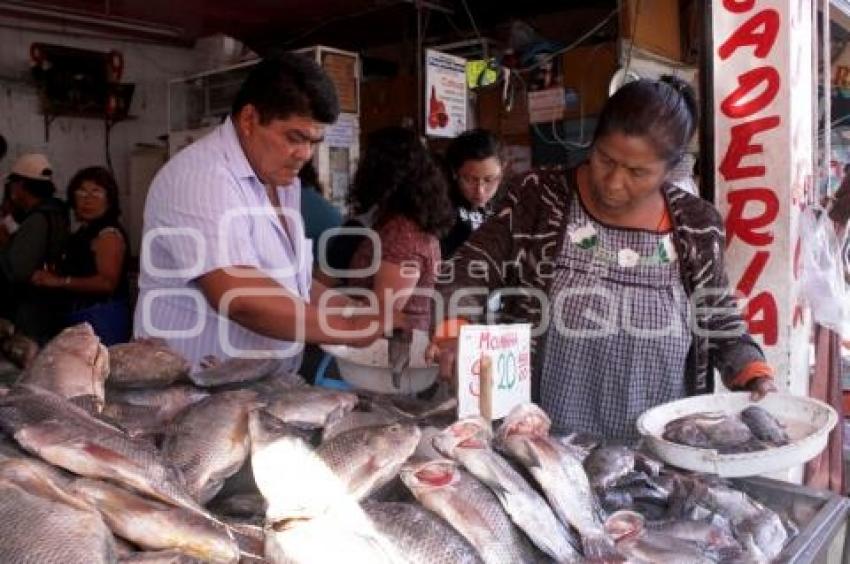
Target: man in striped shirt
(225,265)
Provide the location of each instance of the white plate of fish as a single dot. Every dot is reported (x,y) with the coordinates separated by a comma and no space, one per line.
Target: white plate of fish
(731,436)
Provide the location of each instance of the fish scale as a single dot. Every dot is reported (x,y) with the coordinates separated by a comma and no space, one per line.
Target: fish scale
(155,526)
(422,536)
(209,441)
(368,457)
(471,508)
(68,437)
(64,534)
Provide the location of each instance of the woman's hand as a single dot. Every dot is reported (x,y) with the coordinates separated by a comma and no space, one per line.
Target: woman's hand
(760,387)
(46,279)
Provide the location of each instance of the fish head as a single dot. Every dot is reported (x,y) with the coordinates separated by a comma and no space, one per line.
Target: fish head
(623,525)
(469,433)
(525,419)
(434,474)
(767,530)
(389,443)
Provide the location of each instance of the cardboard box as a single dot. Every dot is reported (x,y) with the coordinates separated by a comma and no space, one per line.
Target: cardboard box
(587,72)
(655,27)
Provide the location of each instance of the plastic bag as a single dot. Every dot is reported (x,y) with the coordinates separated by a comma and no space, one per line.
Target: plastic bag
(822,277)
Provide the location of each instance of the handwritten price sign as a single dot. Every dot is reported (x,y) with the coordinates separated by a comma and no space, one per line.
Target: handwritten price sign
(508,348)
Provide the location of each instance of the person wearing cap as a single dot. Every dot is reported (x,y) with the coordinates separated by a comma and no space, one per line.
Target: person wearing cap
(38,242)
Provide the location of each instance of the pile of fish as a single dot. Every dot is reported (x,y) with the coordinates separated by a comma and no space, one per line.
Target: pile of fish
(753,429)
(124,455)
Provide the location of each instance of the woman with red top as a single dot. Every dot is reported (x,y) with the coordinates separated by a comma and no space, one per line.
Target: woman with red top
(401,193)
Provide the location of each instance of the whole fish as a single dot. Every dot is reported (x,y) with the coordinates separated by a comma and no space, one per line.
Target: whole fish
(73,363)
(209,441)
(148,412)
(714,532)
(152,525)
(470,507)
(234,371)
(319,407)
(747,516)
(145,363)
(764,425)
(420,535)
(607,465)
(725,433)
(355,420)
(37,529)
(20,349)
(469,442)
(364,459)
(167,401)
(524,435)
(311,517)
(136,420)
(68,437)
(638,544)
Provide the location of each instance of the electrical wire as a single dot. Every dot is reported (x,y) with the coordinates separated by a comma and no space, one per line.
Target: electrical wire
(472,20)
(572,45)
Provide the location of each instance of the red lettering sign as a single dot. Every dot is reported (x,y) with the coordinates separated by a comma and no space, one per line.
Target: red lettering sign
(740,147)
(739,6)
(759,31)
(747,84)
(753,272)
(764,306)
(745,227)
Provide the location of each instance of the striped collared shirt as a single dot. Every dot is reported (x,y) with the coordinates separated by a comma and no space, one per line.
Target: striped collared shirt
(207,210)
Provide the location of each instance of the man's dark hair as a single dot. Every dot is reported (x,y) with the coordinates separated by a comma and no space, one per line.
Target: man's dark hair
(103,178)
(472,145)
(662,111)
(287,85)
(38,188)
(398,175)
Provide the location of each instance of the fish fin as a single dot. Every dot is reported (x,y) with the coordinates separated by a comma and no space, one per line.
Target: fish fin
(598,546)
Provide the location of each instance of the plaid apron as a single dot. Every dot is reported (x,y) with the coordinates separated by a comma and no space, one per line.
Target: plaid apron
(619,335)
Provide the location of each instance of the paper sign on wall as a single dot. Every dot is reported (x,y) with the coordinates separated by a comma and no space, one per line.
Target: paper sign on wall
(445,94)
(509,350)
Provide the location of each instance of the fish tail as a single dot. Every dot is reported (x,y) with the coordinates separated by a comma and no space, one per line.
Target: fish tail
(597,546)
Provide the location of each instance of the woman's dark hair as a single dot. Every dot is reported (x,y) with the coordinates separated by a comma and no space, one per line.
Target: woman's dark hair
(288,85)
(663,111)
(103,178)
(38,188)
(398,175)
